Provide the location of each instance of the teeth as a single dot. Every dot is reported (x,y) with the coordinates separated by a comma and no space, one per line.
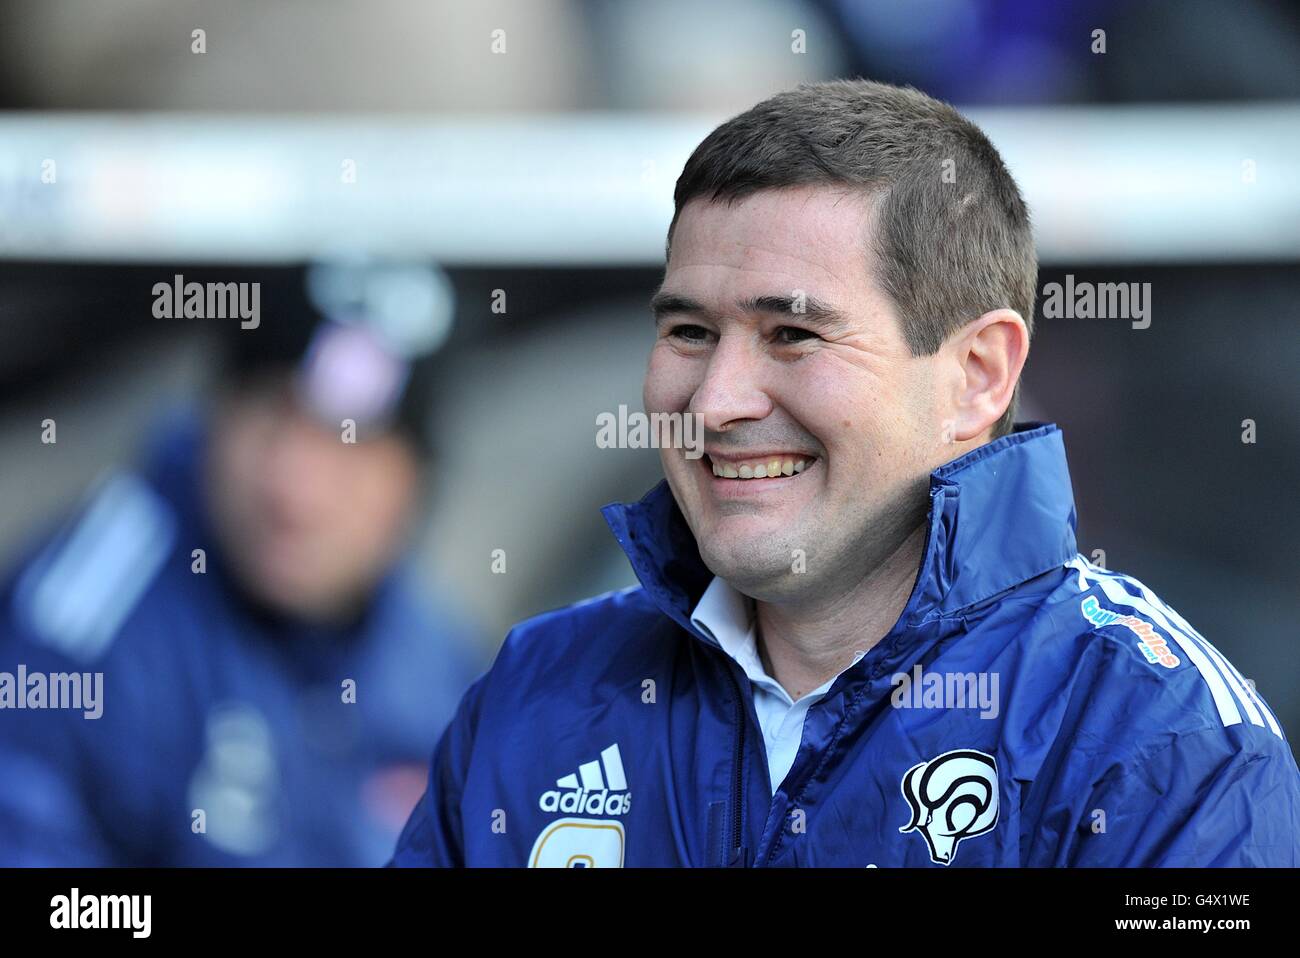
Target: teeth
(768,469)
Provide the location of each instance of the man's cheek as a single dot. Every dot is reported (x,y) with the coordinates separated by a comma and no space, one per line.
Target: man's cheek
(678,472)
(668,382)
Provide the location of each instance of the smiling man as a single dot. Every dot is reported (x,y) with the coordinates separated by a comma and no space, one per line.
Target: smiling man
(868,548)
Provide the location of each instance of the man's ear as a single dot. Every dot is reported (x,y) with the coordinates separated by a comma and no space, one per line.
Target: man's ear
(989,354)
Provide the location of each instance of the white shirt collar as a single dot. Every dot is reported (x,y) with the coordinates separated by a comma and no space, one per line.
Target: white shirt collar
(727,616)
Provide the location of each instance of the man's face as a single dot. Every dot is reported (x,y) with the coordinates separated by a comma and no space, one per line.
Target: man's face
(310,522)
(839,392)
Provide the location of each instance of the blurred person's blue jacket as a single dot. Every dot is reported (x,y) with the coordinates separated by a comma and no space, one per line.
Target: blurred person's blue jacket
(616,732)
(224,737)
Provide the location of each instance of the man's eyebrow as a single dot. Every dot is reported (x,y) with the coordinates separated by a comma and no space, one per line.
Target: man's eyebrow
(806,309)
(664,304)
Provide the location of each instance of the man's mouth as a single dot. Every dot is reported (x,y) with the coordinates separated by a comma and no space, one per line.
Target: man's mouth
(767,466)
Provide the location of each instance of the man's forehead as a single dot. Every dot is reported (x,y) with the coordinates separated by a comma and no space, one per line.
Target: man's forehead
(812,239)
(828,215)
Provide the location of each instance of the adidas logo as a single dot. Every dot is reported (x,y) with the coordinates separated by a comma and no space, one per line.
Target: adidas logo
(591,791)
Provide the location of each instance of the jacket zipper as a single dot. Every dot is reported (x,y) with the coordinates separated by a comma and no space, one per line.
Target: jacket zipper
(737,774)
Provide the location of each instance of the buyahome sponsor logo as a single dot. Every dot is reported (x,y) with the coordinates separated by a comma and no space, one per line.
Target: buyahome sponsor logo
(597,788)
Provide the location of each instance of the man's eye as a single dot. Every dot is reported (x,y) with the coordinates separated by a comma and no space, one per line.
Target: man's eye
(793,334)
(690,333)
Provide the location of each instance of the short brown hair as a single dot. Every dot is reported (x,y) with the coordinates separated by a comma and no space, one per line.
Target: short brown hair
(948,251)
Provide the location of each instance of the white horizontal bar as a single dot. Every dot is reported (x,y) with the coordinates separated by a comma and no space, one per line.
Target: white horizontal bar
(1130,184)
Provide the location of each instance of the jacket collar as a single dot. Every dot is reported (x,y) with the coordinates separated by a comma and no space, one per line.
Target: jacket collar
(1000,515)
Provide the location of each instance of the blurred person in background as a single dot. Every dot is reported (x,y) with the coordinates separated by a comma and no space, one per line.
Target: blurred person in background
(270,683)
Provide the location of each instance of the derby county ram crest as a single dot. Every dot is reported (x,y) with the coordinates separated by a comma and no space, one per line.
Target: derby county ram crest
(953,796)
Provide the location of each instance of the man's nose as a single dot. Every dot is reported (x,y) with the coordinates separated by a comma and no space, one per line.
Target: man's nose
(732,389)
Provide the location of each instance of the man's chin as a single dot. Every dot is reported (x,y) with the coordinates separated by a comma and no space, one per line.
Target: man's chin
(757,568)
